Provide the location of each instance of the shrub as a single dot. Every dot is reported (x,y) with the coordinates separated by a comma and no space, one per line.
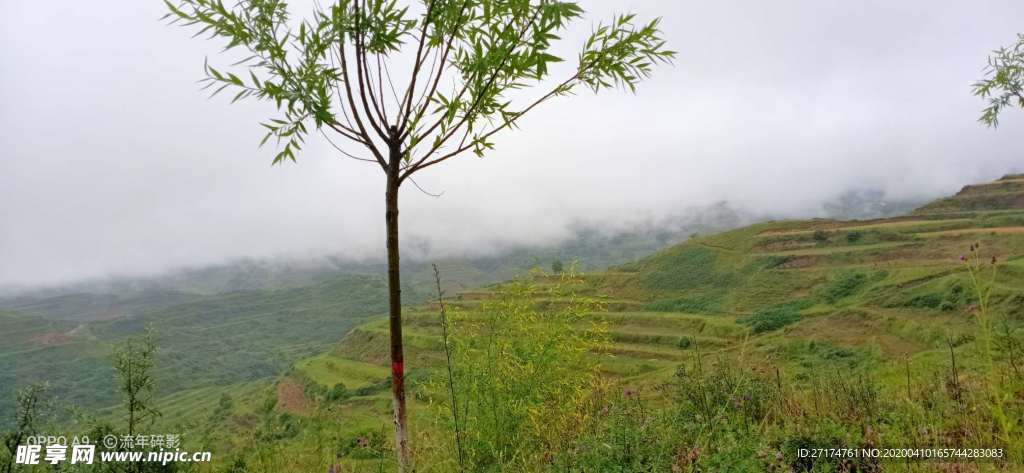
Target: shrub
(365,445)
(373,388)
(813,355)
(926,301)
(724,391)
(700,303)
(278,427)
(523,374)
(338,393)
(844,285)
(947,300)
(820,236)
(628,436)
(777,316)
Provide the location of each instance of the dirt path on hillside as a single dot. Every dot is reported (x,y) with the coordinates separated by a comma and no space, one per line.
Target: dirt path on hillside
(865,225)
(972,231)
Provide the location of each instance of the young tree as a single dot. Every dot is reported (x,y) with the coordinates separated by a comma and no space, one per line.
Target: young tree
(410,86)
(1003,85)
(133,362)
(29,407)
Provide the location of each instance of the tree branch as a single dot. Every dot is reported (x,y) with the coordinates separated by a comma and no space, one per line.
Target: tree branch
(360,67)
(407,97)
(344,131)
(426,98)
(346,153)
(414,183)
(422,163)
(476,103)
(355,112)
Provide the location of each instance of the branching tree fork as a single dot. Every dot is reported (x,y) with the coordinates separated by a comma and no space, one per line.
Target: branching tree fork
(458,66)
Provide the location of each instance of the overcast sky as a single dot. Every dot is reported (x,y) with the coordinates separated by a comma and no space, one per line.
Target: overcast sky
(112,162)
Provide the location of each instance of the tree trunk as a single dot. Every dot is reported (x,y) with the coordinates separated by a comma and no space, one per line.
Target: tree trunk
(395,316)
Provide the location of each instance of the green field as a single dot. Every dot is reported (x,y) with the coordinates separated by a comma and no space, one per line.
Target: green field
(329,370)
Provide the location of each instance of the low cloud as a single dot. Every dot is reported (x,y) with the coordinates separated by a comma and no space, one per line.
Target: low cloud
(114,163)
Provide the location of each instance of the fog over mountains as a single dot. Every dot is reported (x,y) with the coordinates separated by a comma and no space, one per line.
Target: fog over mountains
(115,164)
(592,247)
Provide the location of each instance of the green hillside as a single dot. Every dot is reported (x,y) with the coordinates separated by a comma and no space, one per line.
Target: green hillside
(885,300)
(1005,194)
(88,307)
(872,312)
(213,341)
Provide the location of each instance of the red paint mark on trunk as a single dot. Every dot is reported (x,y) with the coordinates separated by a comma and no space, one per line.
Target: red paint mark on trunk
(398,368)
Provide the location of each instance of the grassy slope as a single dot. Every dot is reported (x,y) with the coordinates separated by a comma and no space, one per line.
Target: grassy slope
(871,296)
(210,343)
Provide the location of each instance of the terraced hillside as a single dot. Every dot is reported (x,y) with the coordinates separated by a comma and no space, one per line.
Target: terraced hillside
(877,298)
